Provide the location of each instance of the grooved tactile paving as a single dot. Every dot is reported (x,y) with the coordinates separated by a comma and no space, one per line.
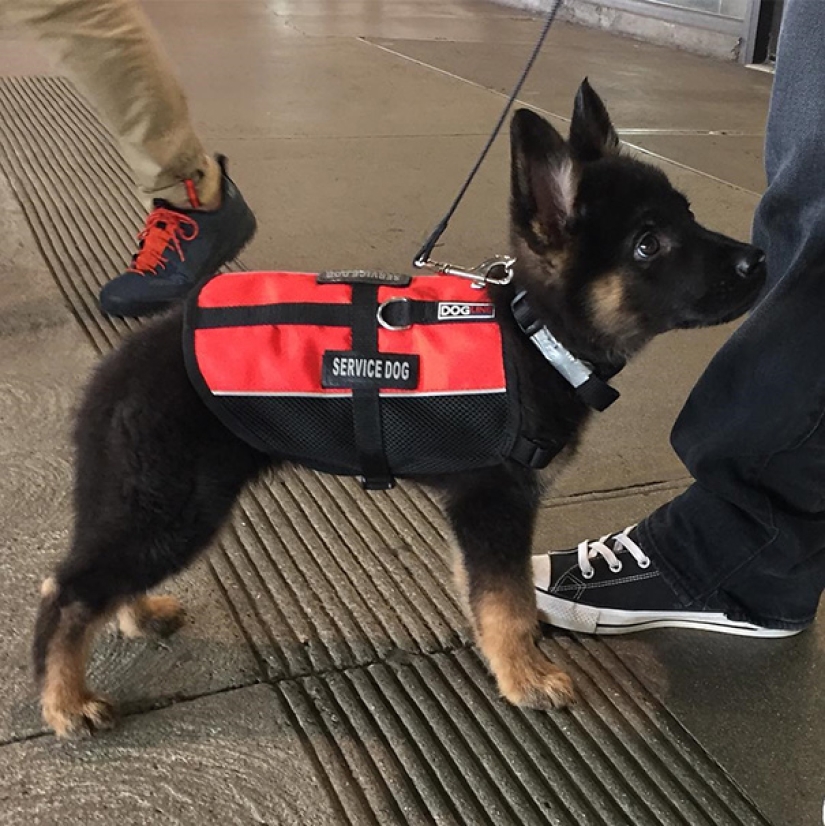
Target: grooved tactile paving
(344,599)
(428,741)
(324,577)
(75,190)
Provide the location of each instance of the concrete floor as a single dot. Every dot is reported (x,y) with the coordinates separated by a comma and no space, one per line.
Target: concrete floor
(349,126)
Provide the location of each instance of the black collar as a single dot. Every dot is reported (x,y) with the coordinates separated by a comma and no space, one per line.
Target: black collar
(588,380)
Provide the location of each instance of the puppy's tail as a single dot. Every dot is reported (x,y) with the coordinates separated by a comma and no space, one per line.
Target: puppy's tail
(45,627)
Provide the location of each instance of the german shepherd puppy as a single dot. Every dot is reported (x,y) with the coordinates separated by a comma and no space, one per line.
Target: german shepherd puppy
(610,256)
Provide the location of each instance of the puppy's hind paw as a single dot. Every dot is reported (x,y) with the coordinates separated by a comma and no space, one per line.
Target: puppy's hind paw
(155,616)
(79,719)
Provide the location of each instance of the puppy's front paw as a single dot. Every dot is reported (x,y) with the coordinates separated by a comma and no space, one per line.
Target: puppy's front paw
(532,681)
(79,717)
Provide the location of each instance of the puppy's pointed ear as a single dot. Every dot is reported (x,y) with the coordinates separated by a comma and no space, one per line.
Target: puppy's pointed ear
(592,135)
(543,182)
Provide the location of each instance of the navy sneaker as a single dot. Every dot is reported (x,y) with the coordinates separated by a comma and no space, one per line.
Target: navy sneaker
(179,247)
(610,586)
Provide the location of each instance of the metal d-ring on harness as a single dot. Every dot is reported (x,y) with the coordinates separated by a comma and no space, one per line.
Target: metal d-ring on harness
(498,270)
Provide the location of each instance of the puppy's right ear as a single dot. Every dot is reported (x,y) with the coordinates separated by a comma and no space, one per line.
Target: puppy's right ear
(592,135)
(543,182)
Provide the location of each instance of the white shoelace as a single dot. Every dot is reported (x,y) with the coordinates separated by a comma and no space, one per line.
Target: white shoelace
(621,541)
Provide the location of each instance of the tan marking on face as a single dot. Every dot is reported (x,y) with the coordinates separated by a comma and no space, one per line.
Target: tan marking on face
(609,307)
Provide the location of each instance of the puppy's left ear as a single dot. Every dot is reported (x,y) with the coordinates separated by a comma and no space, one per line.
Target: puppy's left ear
(592,135)
(543,182)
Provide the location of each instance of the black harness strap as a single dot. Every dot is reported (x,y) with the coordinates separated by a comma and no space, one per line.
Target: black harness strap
(366,403)
(400,313)
(397,313)
(323,315)
(532,454)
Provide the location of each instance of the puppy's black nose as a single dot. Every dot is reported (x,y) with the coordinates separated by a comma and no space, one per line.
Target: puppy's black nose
(750,262)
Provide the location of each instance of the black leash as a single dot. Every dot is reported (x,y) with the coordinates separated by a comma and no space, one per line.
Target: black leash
(422,259)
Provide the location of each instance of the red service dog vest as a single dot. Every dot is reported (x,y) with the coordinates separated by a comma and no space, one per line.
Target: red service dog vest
(358,373)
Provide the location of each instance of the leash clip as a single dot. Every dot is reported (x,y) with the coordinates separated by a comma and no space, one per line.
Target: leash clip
(481,276)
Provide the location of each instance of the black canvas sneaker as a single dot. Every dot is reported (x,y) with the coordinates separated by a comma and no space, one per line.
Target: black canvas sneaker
(610,586)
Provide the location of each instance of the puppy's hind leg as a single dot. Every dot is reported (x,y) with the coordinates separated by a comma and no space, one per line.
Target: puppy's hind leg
(492,516)
(65,625)
(96,580)
(110,567)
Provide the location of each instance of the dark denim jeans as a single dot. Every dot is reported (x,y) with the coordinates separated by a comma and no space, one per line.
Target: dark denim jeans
(750,531)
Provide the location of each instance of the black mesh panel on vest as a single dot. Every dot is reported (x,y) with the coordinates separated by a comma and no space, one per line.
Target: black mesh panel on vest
(423,435)
(437,434)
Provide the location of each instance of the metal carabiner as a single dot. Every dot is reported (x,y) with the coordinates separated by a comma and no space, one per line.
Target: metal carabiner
(481,275)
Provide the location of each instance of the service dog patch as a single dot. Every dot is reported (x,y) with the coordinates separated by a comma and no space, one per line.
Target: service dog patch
(352,369)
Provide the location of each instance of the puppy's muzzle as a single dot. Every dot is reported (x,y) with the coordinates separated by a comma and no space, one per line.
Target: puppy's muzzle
(751,263)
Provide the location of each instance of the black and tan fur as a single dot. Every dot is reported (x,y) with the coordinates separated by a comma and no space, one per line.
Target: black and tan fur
(610,255)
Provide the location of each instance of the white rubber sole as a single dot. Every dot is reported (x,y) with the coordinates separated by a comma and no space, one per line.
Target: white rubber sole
(586,619)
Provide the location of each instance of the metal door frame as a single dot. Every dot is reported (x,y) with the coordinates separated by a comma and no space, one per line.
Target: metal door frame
(756,29)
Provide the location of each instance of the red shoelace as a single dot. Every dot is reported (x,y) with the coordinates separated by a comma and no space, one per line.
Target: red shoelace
(164,228)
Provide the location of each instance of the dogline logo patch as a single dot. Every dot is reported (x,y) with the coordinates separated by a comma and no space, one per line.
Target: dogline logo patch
(458,310)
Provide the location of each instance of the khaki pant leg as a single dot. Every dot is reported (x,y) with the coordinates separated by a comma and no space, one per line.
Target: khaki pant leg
(109,49)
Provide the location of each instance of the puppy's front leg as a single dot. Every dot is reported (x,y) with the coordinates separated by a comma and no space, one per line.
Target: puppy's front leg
(492,516)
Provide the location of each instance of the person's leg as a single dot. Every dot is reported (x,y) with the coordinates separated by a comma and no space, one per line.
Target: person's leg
(746,541)
(109,49)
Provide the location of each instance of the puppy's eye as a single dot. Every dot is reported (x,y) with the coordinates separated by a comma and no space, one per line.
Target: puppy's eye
(647,247)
